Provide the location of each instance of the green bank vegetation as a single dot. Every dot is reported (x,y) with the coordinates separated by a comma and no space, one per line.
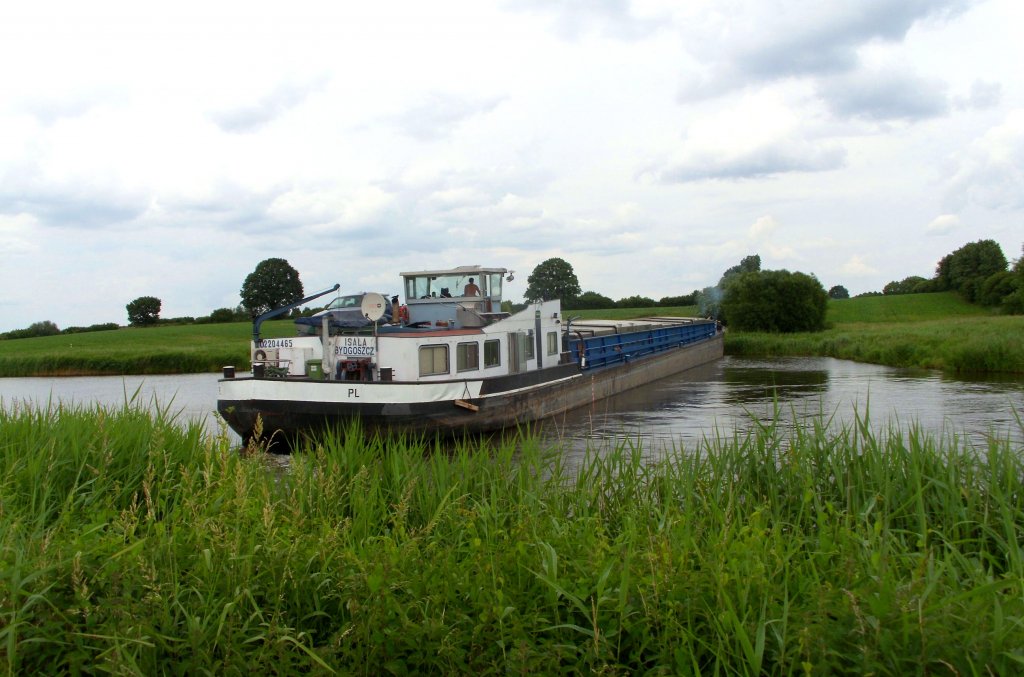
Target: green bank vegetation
(928,331)
(934,331)
(132,544)
(174,349)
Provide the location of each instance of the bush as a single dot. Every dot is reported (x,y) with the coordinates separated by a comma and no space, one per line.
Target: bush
(222,315)
(44,328)
(775,301)
(106,326)
(997,287)
(838,292)
(908,285)
(966,269)
(675,301)
(589,300)
(636,302)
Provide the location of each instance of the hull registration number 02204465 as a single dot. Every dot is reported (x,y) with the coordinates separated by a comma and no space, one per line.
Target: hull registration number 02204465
(354,346)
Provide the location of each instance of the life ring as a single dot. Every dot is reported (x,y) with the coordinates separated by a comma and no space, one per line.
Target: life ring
(403,313)
(260,356)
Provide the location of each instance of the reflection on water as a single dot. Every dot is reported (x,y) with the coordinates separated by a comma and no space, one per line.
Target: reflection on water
(754,383)
(738,394)
(186,396)
(729,395)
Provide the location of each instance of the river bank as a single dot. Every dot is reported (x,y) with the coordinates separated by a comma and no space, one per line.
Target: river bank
(132,543)
(928,331)
(975,345)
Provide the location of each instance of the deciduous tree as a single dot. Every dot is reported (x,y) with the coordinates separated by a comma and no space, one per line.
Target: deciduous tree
(590,300)
(144,311)
(967,268)
(838,292)
(273,284)
(775,301)
(552,279)
(636,301)
(749,264)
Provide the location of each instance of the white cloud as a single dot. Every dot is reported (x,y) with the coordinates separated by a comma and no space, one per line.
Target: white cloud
(756,136)
(991,168)
(943,224)
(856,266)
(765,41)
(982,95)
(884,94)
(17,235)
(763,226)
(171,148)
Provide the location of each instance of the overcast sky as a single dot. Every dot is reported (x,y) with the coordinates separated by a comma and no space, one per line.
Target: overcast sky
(166,150)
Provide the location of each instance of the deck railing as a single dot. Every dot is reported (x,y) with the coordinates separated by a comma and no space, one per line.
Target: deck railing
(601,351)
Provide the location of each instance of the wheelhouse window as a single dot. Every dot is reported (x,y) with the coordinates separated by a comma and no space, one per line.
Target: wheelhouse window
(433,360)
(552,343)
(492,353)
(530,349)
(467,356)
(494,288)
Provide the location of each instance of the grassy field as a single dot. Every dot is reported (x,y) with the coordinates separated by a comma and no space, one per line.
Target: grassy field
(633,313)
(929,331)
(180,349)
(934,331)
(131,544)
(901,309)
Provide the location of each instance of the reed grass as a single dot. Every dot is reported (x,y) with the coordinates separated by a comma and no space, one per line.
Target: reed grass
(135,543)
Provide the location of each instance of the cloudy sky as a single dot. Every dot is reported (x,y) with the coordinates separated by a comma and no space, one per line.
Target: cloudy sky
(165,150)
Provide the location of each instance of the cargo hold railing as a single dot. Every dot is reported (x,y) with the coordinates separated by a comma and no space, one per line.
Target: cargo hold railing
(607,349)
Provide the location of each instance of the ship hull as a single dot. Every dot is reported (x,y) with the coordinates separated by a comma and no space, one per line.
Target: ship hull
(293,407)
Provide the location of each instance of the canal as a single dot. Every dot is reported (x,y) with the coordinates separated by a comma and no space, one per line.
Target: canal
(730,396)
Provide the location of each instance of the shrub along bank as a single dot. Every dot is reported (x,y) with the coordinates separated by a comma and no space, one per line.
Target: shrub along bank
(131,544)
(936,331)
(928,331)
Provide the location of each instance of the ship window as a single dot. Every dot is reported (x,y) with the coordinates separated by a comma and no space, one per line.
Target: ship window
(552,343)
(530,350)
(433,360)
(492,353)
(467,356)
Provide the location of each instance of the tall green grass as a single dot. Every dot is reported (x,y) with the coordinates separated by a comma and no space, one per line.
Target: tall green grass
(137,544)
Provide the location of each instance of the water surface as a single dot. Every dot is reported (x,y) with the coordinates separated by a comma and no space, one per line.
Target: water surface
(732,394)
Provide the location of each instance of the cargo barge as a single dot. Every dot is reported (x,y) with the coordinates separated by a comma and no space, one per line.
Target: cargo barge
(451,362)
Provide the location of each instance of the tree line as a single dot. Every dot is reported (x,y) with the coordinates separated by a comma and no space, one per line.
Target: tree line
(555,279)
(272,284)
(745,297)
(751,299)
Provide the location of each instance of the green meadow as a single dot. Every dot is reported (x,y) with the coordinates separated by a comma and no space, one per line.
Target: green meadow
(131,543)
(927,331)
(930,331)
(175,349)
